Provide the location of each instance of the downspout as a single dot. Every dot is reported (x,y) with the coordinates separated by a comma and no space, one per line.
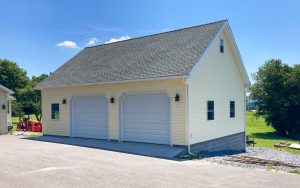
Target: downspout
(245,124)
(185,81)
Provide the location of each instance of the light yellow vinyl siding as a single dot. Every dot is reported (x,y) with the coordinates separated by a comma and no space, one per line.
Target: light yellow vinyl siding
(62,126)
(216,78)
(3,113)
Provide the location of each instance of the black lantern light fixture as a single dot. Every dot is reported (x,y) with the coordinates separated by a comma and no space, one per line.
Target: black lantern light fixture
(112,100)
(64,101)
(3,107)
(176,97)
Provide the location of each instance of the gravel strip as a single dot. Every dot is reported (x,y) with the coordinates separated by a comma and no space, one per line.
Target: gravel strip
(262,153)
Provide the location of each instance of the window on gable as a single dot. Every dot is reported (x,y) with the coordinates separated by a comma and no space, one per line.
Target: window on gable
(221,45)
(55,111)
(210,110)
(232,109)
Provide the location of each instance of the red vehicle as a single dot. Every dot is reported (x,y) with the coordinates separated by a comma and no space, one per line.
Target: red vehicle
(29,125)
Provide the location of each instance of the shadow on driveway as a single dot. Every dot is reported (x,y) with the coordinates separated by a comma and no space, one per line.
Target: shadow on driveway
(151,150)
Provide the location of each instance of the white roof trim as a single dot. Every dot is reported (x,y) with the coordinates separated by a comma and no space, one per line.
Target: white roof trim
(10,98)
(244,72)
(118,82)
(192,72)
(246,77)
(6,89)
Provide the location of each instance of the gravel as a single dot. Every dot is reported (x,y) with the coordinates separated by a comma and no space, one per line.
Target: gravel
(262,153)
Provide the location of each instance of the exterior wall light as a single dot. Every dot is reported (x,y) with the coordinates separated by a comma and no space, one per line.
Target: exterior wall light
(3,107)
(64,101)
(112,100)
(177,98)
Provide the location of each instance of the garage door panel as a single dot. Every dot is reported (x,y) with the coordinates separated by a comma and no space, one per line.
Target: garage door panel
(90,117)
(147,125)
(152,109)
(146,118)
(147,131)
(158,139)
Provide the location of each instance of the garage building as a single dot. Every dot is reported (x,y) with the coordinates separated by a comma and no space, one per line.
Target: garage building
(184,87)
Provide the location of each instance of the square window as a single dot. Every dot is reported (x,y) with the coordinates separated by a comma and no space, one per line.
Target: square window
(55,111)
(210,110)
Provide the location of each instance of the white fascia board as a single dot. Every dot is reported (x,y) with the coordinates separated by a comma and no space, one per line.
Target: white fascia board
(192,72)
(6,89)
(118,82)
(246,77)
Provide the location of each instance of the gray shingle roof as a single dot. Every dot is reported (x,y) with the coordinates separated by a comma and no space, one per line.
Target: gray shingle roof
(168,54)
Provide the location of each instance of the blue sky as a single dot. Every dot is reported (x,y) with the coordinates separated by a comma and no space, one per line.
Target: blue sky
(42,35)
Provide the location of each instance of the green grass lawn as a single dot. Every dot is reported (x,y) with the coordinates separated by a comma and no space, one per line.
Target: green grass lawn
(264,135)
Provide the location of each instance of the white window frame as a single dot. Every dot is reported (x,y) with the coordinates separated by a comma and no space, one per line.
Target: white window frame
(58,111)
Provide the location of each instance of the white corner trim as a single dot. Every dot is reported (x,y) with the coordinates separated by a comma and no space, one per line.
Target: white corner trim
(192,72)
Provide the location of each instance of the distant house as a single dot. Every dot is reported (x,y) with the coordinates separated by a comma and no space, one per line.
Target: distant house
(5,108)
(183,87)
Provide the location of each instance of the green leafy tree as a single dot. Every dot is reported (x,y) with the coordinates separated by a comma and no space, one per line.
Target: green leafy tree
(12,76)
(30,98)
(276,93)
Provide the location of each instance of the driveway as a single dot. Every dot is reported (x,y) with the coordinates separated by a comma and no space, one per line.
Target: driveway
(152,150)
(30,163)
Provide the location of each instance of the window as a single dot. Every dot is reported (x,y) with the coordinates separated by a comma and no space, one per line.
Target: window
(55,111)
(210,110)
(232,109)
(221,45)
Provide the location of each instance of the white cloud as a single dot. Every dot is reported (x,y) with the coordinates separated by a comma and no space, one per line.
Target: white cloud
(126,37)
(67,44)
(92,41)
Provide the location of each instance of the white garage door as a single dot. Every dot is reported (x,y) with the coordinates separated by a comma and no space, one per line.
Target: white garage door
(90,117)
(146,118)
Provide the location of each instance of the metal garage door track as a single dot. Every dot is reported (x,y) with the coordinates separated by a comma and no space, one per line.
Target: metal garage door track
(152,150)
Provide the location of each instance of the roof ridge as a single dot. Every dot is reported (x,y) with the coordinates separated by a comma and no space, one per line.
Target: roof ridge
(190,27)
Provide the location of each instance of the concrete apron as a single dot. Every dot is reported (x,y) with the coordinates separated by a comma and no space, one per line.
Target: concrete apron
(152,150)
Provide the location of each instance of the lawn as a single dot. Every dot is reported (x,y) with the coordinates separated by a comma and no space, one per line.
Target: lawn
(264,135)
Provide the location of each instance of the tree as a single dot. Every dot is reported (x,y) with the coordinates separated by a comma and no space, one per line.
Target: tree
(276,93)
(12,76)
(30,98)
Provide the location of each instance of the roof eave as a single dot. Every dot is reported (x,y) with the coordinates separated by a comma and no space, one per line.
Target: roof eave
(245,74)
(3,88)
(116,82)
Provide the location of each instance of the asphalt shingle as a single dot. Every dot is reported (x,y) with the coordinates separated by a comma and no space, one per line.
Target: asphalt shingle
(168,54)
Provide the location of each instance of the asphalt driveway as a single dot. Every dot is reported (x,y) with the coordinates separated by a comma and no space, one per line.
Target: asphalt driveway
(30,163)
